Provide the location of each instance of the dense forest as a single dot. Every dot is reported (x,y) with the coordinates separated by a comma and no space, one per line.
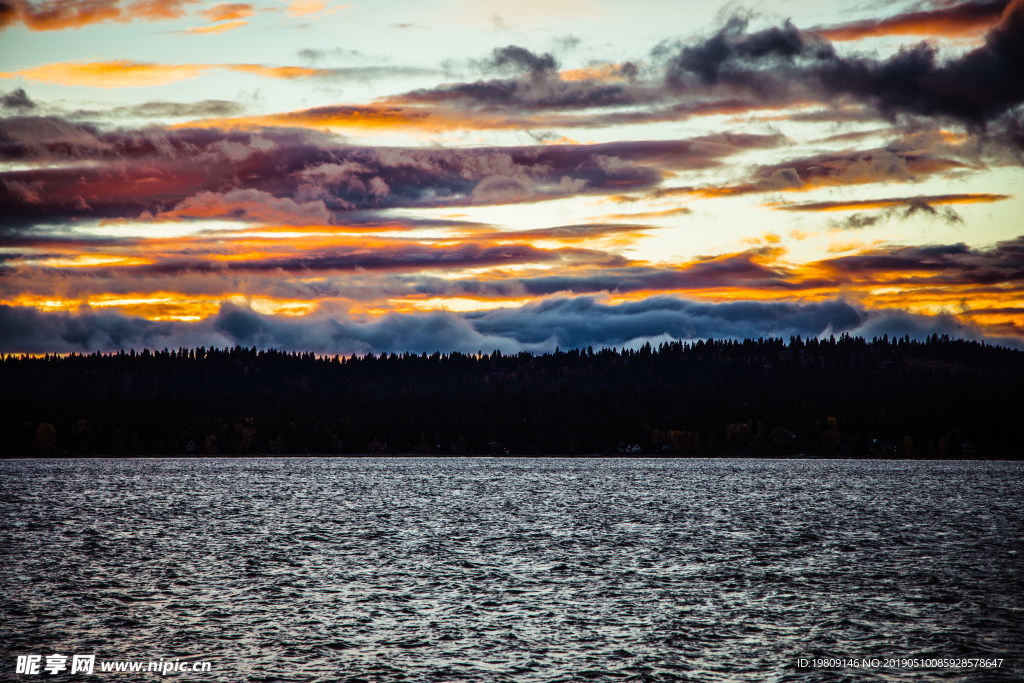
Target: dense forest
(846,397)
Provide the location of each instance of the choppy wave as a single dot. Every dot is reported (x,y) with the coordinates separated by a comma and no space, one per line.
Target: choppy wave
(446,569)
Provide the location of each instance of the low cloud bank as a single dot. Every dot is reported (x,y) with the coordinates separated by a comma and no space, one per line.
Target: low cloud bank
(566,323)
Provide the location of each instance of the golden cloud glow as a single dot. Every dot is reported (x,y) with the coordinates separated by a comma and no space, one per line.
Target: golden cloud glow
(93,261)
(227,11)
(647,215)
(274,71)
(305,8)
(864,204)
(57,15)
(397,114)
(215,29)
(120,73)
(968,20)
(486,197)
(123,73)
(597,72)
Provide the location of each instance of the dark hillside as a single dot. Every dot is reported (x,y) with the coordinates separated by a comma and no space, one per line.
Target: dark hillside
(837,397)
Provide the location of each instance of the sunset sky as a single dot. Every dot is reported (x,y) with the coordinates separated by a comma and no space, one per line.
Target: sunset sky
(479,174)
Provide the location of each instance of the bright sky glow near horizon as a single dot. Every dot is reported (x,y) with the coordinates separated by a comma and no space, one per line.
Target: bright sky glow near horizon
(477,175)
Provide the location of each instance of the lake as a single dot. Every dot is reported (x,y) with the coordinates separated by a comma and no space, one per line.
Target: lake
(517,569)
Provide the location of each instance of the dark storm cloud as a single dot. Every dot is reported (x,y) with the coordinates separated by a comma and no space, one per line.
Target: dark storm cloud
(948,264)
(901,323)
(618,281)
(166,110)
(529,94)
(395,257)
(53,138)
(577,231)
(182,173)
(954,20)
(975,88)
(17,99)
(744,271)
(584,321)
(832,169)
(771,67)
(735,56)
(576,322)
(536,84)
(532,81)
(518,59)
(904,211)
(935,206)
(27,330)
(318,54)
(377,72)
(883,165)
(973,198)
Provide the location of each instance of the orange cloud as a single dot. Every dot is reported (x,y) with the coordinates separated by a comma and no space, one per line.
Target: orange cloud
(275,71)
(562,140)
(55,15)
(113,74)
(367,116)
(124,73)
(864,204)
(967,20)
(250,204)
(298,8)
(217,28)
(647,215)
(394,113)
(303,8)
(822,171)
(599,72)
(166,304)
(295,271)
(227,11)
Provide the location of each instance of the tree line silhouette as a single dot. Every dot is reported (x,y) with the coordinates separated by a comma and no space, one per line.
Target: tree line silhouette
(845,397)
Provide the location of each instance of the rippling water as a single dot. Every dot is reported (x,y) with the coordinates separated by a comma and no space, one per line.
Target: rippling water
(448,569)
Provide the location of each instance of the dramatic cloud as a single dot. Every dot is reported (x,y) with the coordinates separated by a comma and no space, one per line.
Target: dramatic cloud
(391,257)
(521,114)
(168,167)
(252,205)
(902,207)
(514,58)
(113,74)
(535,94)
(532,82)
(567,323)
(975,88)
(894,202)
(953,264)
(17,99)
(128,74)
(734,56)
(164,110)
(833,169)
(735,70)
(956,21)
(554,192)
